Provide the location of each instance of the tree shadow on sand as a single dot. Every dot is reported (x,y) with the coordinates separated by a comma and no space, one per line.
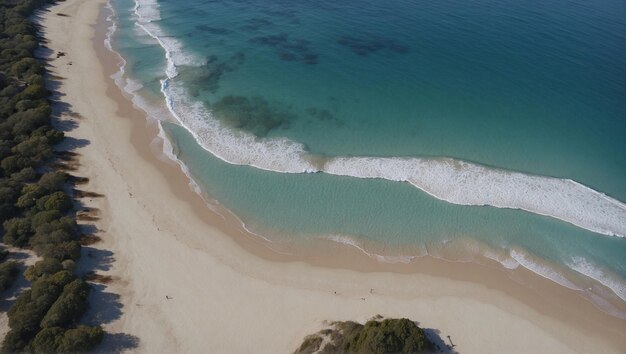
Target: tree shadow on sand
(434,336)
(117,343)
(105,307)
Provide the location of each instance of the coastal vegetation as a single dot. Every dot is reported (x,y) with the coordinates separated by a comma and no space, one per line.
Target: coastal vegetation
(35,207)
(376,337)
(8,270)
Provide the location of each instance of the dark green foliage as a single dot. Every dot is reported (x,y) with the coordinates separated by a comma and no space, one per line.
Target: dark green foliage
(311,344)
(7,201)
(26,67)
(46,266)
(30,193)
(24,176)
(26,121)
(61,251)
(390,336)
(8,273)
(58,340)
(30,307)
(48,340)
(16,231)
(55,201)
(69,306)
(34,206)
(376,337)
(80,339)
(53,181)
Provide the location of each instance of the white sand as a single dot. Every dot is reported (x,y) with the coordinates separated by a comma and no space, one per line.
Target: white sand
(226,299)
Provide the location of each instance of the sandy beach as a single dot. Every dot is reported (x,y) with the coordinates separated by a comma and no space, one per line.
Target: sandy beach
(185,279)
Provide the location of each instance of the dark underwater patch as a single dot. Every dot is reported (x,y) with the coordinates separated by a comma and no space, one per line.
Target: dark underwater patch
(207,77)
(321,114)
(288,49)
(253,114)
(213,30)
(289,15)
(257,24)
(367,46)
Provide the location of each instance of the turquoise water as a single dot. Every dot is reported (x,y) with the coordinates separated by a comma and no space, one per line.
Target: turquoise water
(533,87)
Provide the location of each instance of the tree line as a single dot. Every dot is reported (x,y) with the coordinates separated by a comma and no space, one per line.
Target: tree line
(35,208)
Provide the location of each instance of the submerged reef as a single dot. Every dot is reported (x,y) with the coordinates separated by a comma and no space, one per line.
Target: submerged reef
(290,15)
(256,24)
(324,115)
(253,114)
(366,46)
(208,76)
(213,30)
(288,49)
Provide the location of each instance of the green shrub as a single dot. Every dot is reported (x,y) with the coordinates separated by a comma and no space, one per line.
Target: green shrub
(53,181)
(376,337)
(25,175)
(8,272)
(60,251)
(24,122)
(68,308)
(30,194)
(45,266)
(35,91)
(48,340)
(58,201)
(44,217)
(58,340)
(16,231)
(26,67)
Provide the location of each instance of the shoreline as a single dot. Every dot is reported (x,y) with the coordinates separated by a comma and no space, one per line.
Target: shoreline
(190,236)
(564,276)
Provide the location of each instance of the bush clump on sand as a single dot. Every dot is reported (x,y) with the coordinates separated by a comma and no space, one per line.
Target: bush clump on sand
(375,337)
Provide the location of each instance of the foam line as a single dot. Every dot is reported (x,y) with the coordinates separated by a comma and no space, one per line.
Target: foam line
(353,242)
(600,275)
(545,271)
(465,183)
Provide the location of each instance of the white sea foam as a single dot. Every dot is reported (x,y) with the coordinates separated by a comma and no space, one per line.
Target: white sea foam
(544,270)
(274,154)
(168,151)
(147,13)
(112,28)
(354,242)
(602,276)
(506,261)
(147,10)
(465,183)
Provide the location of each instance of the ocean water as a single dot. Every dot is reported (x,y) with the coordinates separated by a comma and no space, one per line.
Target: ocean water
(460,130)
